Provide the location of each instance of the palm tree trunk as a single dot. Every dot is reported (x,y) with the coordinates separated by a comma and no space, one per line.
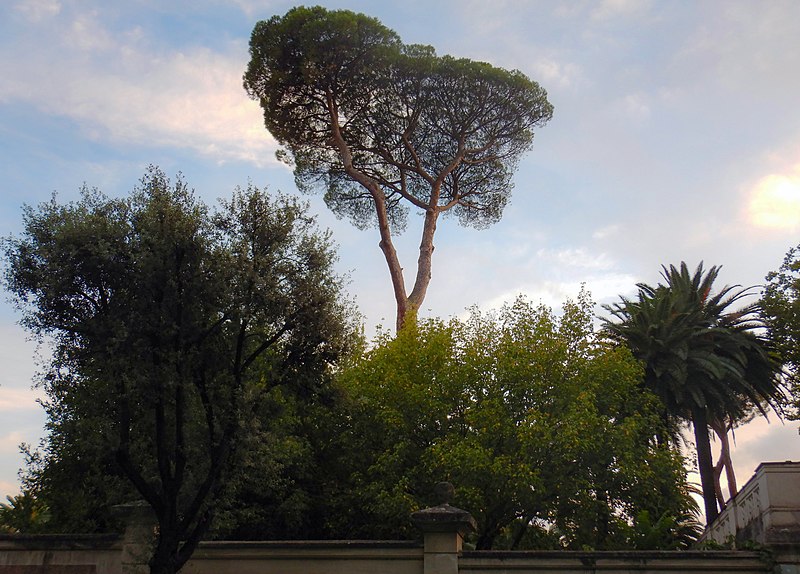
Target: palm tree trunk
(705,463)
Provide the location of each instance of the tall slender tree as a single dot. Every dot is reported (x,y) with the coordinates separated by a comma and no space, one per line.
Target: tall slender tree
(708,363)
(382,126)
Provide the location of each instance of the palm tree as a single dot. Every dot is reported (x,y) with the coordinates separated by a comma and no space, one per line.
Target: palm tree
(709,365)
(22,513)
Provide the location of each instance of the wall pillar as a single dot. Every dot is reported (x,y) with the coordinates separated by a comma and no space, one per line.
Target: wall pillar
(443,527)
(137,540)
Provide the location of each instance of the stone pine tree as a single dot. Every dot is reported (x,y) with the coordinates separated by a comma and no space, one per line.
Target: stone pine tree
(383,127)
(169,324)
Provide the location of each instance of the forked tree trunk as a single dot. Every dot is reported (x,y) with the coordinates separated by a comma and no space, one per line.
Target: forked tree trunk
(405,303)
(725,462)
(717,486)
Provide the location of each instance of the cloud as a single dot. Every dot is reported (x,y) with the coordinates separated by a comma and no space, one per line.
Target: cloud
(17,357)
(602,287)
(257,8)
(606,232)
(764,441)
(8,489)
(746,51)
(609,9)
(19,400)
(551,72)
(37,10)
(554,275)
(636,107)
(774,201)
(10,442)
(121,88)
(576,257)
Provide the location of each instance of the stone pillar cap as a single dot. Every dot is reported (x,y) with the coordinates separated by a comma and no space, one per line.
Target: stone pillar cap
(443,517)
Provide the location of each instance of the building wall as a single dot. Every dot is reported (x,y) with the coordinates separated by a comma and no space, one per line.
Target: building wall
(766,509)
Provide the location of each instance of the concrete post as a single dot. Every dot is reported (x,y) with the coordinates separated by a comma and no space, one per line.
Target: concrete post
(443,527)
(138,537)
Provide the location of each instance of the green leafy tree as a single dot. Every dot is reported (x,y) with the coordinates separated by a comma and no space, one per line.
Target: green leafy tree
(544,429)
(382,126)
(169,325)
(708,364)
(292,468)
(780,305)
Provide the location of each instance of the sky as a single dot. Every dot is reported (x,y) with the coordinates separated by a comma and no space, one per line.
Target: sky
(675,137)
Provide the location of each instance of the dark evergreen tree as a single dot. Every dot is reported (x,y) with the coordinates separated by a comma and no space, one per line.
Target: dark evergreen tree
(169,326)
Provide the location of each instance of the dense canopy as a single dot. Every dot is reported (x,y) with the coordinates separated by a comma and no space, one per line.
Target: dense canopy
(544,429)
(169,326)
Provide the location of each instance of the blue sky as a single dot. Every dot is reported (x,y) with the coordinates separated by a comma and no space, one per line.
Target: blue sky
(676,136)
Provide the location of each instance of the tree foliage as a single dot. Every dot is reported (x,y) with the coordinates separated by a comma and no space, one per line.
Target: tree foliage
(23,513)
(169,325)
(780,306)
(544,429)
(707,363)
(382,126)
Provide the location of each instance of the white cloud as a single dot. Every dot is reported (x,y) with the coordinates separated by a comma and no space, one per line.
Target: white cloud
(747,51)
(636,107)
(121,89)
(19,399)
(87,33)
(257,8)
(551,72)
(10,443)
(774,201)
(17,355)
(37,10)
(576,257)
(602,287)
(486,18)
(606,232)
(608,9)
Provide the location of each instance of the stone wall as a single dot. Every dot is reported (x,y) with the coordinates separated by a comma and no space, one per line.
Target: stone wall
(328,557)
(766,511)
(60,554)
(621,562)
(377,557)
